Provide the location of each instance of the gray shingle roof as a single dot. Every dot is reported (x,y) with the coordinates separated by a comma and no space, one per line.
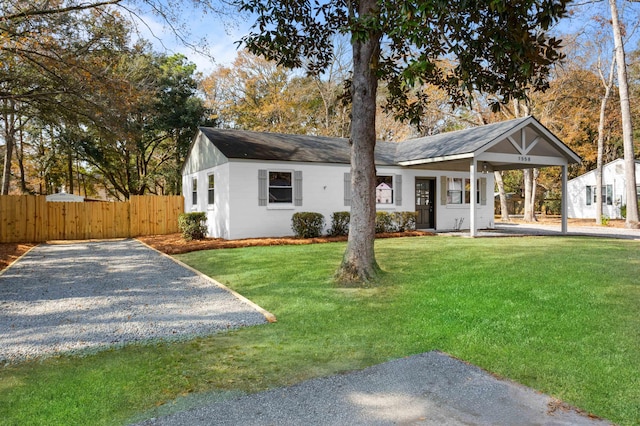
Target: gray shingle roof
(236,144)
(457,142)
(280,147)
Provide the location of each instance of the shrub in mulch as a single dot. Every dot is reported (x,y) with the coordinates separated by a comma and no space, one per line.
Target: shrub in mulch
(175,244)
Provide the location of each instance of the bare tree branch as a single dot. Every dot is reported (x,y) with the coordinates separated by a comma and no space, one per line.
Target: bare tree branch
(41,12)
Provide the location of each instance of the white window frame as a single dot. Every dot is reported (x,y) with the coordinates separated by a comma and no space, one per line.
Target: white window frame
(464,190)
(194,191)
(283,204)
(211,190)
(453,189)
(607,195)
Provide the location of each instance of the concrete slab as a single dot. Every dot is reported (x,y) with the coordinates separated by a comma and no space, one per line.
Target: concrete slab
(535,229)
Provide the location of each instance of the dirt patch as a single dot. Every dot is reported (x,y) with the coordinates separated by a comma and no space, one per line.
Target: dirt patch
(9,252)
(175,244)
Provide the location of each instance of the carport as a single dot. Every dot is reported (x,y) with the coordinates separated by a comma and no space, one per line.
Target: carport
(521,143)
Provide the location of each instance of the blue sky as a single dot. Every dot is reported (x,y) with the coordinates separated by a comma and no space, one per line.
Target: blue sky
(222,34)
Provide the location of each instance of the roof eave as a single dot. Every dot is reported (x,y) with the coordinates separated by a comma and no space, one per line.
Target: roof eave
(436,159)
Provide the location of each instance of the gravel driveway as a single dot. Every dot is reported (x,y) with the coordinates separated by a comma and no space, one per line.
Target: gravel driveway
(427,389)
(92,295)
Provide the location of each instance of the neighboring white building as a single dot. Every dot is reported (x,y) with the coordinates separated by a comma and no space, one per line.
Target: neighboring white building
(251,183)
(63,197)
(582,192)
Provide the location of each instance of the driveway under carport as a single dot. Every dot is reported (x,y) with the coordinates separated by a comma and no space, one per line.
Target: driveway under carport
(542,229)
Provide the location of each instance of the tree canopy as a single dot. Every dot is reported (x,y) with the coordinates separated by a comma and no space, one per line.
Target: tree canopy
(495,47)
(84,105)
(81,101)
(492,47)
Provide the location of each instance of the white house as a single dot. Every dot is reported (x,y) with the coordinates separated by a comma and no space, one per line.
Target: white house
(251,183)
(64,197)
(582,192)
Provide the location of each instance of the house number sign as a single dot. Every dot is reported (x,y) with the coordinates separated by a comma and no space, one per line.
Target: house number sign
(524,159)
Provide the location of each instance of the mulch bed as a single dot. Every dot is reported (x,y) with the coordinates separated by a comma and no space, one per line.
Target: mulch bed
(9,252)
(175,244)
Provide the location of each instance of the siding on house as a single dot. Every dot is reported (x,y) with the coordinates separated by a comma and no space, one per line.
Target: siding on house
(613,175)
(202,155)
(237,214)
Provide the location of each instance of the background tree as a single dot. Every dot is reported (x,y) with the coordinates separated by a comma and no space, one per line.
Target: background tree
(335,111)
(632,219)
(148,126)
(495,47)
(112,110)
(607,83)
(179,111)
(256,94)
(72,65)
(50,64)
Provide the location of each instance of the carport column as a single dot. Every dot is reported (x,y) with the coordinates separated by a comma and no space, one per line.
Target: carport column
(564,208)
(472,195)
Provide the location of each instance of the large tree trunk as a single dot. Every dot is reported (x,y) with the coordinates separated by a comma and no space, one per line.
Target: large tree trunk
(20,158)
(359,263)
(627,128)
(9,138)
(504,208)
(608,84)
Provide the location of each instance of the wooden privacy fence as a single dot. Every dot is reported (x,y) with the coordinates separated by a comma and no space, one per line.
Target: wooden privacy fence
(30,218)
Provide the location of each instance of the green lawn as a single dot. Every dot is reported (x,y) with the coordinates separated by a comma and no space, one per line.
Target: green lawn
(559,314)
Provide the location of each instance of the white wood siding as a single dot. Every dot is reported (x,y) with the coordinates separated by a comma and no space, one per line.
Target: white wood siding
(448,216)
(322,192)
(613,174)
(236,213)
(202,155)
(218,218)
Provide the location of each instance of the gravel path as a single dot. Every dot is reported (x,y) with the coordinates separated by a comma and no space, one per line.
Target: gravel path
(427,389)
(92,295)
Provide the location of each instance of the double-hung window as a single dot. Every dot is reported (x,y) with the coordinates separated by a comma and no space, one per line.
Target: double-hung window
(280,187)
(459,191)
(607,195)
(211,190)
(194,191)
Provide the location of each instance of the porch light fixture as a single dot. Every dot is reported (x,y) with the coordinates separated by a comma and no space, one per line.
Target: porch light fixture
(485,167)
